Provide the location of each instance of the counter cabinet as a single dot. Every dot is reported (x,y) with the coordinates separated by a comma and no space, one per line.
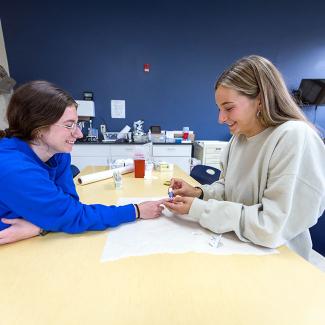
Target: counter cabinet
(84,155)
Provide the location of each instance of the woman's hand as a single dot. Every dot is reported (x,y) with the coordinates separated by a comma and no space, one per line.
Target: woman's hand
(182,188)
(150,209)
(20,229)
(180,205)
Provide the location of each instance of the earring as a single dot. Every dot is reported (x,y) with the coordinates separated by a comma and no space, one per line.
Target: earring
(38,135)
(258,113)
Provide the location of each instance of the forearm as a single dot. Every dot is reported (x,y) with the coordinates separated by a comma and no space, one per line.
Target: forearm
(214,191)
(267,224)
(88,217)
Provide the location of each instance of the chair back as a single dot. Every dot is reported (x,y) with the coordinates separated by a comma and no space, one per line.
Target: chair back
(205,174)
(317,233)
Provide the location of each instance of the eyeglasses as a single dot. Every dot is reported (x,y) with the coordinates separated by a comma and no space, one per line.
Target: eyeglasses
(72,126)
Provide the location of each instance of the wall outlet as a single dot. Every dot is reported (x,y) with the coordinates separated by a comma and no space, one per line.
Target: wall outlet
(103,128)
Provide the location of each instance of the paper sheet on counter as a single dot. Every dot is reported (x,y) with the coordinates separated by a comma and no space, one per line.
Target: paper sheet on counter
(171,234)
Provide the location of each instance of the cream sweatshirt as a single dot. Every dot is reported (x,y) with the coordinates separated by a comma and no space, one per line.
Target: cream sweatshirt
(271,189)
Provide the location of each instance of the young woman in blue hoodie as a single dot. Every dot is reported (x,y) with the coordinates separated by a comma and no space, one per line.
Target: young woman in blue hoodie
(39,194)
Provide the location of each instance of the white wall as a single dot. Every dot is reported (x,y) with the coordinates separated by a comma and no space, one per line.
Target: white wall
(4,99)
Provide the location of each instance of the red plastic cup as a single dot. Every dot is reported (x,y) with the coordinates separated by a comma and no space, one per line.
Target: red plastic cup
(185,135)
(186,130)
(139,168)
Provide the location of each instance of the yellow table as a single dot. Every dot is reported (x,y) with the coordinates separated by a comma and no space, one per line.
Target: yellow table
(59,279)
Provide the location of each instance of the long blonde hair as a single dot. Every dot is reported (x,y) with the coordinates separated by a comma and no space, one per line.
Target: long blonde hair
(254,75)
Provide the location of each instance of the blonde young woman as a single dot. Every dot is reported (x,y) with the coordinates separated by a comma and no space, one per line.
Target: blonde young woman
(272,186)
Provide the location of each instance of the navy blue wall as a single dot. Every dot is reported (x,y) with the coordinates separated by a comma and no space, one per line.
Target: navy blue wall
(102,47)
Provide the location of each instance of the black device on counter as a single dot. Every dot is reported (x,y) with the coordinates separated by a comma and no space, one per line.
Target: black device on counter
(122,140)
(155,129)
(88,95)
(312,91)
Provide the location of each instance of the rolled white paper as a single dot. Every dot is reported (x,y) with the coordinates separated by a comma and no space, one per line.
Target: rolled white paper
(99,176)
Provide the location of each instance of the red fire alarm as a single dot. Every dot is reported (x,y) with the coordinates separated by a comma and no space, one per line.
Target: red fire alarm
(146,67)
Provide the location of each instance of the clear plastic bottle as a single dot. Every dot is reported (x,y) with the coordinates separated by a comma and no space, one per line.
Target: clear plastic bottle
(117,179)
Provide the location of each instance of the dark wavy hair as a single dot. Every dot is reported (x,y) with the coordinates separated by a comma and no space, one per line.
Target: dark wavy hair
(33,106)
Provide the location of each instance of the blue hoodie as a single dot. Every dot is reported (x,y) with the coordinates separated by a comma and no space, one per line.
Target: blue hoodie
(45,195)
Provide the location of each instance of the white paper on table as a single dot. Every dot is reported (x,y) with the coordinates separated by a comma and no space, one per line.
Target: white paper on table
(171,234)
(99,176)
(117,108)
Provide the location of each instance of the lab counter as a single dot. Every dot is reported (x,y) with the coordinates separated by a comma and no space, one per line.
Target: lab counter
(99,154)
(132,143)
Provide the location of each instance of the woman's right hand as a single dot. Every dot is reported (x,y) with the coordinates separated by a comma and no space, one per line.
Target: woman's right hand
(182,188)
(150,209)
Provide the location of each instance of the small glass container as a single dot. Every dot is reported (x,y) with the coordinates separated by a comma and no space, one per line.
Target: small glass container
(148,170)
(117,179)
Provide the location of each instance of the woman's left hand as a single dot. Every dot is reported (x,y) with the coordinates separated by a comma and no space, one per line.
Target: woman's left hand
(20,229)
(179,205)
